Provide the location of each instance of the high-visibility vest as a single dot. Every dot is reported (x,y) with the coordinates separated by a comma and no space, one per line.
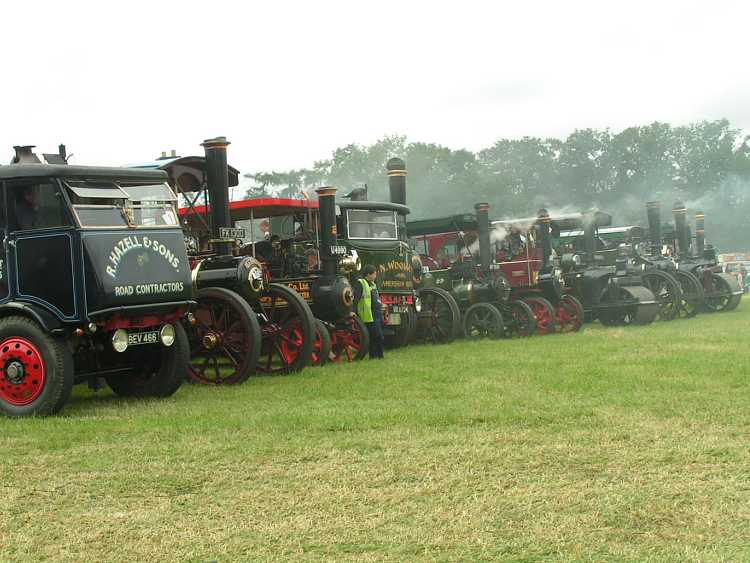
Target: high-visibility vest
(364,307)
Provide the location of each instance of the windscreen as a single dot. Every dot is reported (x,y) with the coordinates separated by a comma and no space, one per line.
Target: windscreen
(371,224)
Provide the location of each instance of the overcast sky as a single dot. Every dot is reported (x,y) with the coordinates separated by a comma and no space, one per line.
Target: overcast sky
(288,82)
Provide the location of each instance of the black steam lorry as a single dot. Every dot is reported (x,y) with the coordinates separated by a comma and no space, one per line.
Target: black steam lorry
(602,279)
(94,283)
(243,322)
(705,285)
(377,233)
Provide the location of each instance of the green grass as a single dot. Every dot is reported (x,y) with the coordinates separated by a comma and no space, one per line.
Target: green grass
(621,444)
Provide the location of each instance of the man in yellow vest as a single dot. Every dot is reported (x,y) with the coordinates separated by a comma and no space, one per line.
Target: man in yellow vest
(370,309)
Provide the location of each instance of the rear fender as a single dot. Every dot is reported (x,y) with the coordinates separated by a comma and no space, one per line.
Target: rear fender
(45,319)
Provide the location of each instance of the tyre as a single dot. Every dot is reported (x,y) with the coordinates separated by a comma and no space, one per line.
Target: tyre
(439,320)
(692,293)
(36,369)
(404,332)
(158,371)
(225,342)
(666,289)
(322,346)
(351,340)
(288,329)
(519,319)
(569,314)
(483,320)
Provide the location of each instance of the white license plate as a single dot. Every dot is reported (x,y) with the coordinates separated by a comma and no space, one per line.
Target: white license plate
(394,319)
(138,338)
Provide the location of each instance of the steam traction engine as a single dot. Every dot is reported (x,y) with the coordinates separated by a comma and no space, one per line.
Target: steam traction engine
(244,322)
(448,252)
(376,232)
(608,292)
(708,287)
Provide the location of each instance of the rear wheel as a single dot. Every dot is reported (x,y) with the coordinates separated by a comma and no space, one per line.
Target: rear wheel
(439,319)
(544,313)
(722,293)
(288,331)
(322,346)
(483,320)
(225,342)
(351,341)
(519,319)
(158,371)
(569,314)
(692,293)
(36,369)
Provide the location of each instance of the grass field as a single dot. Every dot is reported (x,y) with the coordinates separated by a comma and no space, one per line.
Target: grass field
(622,444)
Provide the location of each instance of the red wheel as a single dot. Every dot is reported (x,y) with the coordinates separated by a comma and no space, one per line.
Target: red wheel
(322,346)
(25,374)
(569,314)
(350,341)
(36,370)
(544,313)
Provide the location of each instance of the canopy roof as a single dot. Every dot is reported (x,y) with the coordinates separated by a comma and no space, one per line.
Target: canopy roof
(188,173)
(376,205)
(561,221)
(262,207)
(111,173)
(463,222)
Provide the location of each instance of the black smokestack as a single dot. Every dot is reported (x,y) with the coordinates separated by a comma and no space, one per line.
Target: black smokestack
(589,237)
(546,239)
(63,152)
(328,239)
(217,183)
(680,225)
(700,233)
(653,211)
(397,180)
(483,223)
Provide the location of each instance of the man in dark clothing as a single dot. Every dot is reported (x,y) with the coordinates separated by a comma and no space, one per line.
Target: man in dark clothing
(370,309)
(26,209)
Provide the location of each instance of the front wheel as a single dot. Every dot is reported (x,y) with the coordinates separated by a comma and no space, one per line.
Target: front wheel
(36,370)
(569,314)
(351,341)
(158,371)
(322,346)
(483,320)
(519,319)
(544,313)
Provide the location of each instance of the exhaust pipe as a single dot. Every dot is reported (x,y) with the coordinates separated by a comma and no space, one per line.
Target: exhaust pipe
(397,180)
(328,239)
(653,211)
(680,224)
(544,221)
(483,224)
(589,237)
(700,233)
(217,183)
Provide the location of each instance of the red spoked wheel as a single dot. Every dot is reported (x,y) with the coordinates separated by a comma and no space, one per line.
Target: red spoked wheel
(569,314)
(322,347)
(225,342)
(350,341)
(288,331)
(544,313)
(24,373)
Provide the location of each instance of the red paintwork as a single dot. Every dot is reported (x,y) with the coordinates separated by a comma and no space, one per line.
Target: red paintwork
(262,207)
(346,343)
(396,299)
(116,321)
(35,374)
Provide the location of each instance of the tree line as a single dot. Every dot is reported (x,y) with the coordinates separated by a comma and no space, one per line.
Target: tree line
(705,165)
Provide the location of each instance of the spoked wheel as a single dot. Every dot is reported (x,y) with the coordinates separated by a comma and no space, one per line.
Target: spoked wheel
(483,320)
(666,289)
(440,318)
(692,293)
(322,346)
(721,293)
(518,319)
(36,370)
(157,370)
(225,343)
(288,331)
(569,314)
(626,305)
(544,313)
(351,340)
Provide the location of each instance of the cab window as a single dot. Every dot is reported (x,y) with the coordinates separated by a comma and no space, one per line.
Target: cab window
(34,206)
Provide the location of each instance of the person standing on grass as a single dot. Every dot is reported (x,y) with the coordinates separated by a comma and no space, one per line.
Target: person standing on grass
(370,309)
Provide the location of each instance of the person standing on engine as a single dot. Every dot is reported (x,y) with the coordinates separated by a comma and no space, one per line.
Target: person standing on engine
(370,309)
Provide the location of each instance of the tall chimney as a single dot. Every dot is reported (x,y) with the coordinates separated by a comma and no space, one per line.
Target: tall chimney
(397,180)
(653,211)
(63,152)
(700,233)
(546,239)
(328,239)
(217,183)
(25,155)
(680,225)
(589,237)
(483,223)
